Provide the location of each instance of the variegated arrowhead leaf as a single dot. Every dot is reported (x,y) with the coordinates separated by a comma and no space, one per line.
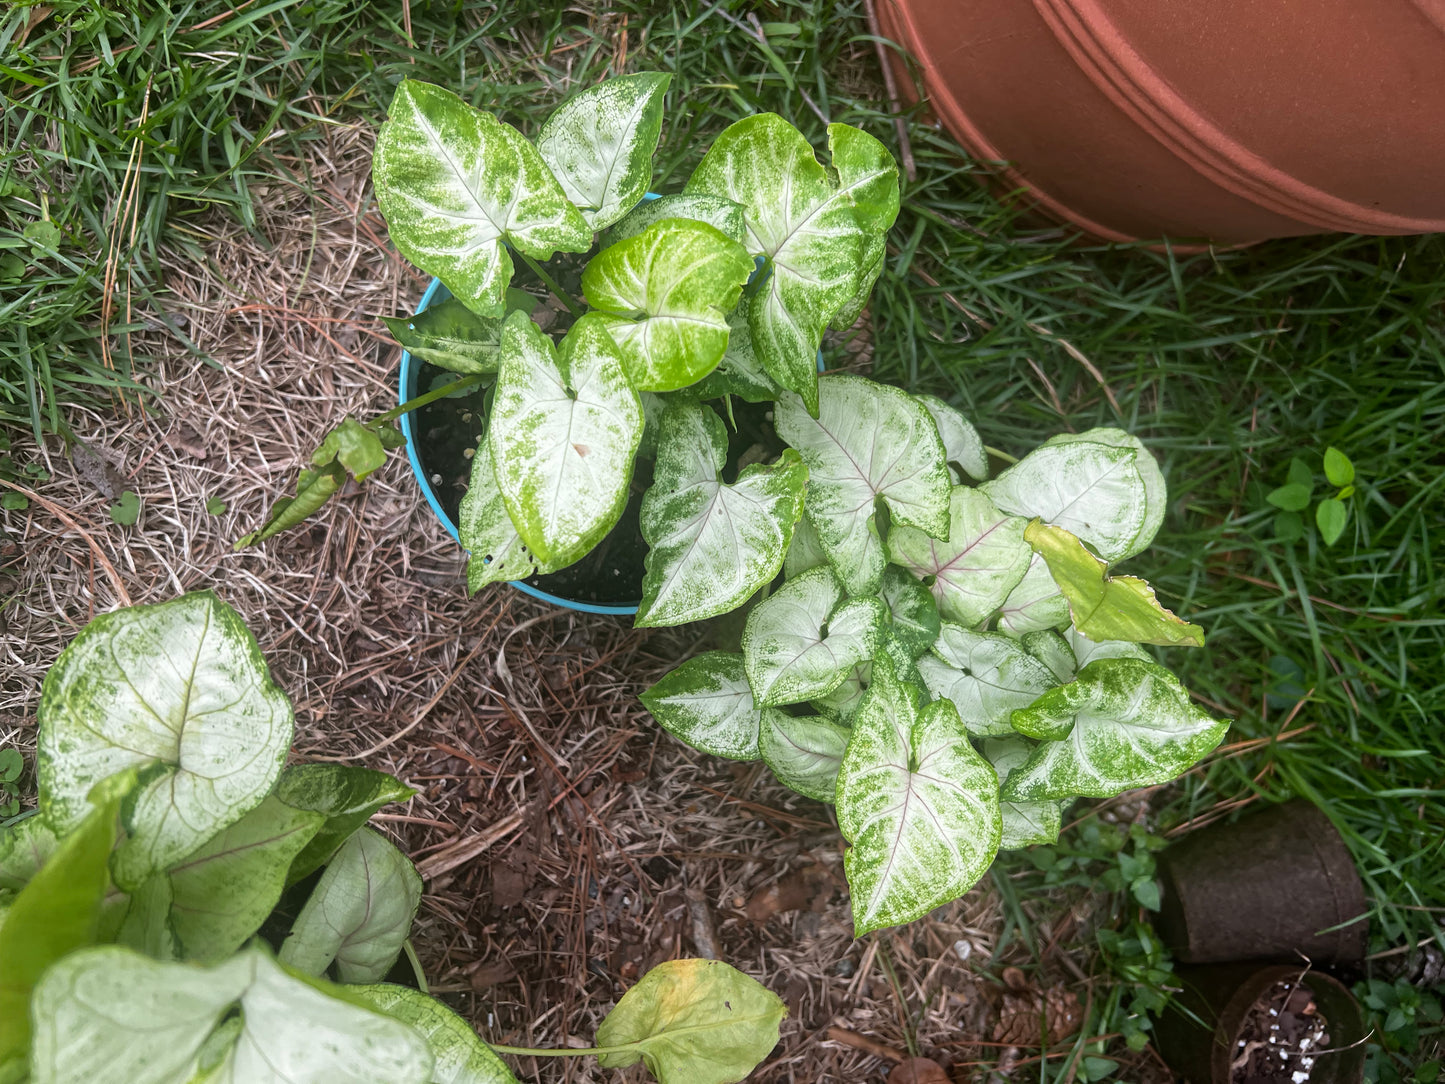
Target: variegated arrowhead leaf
(456,186)
(461,1057)
(496,552)
(1107,607)
(982,561)
(562,436)
(805,552)
(722,214)
(739,373)
(1086,650)
(915,615)
(804,752)
(918,803)
(666,294)
(1035,604)
(180,691)
(1122,723)
(713,545)
(708,703)
(867,441)
(1024,823)
(358,914)
(450,336)
(805,639)
(599,144)
(1102,486)
(1053,651)
(820,233)
(842,704)
(986,675)
(961,443)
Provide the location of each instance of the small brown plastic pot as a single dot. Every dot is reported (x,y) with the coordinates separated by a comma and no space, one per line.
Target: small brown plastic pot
(1276,885)
(1221,996)
(1230,120)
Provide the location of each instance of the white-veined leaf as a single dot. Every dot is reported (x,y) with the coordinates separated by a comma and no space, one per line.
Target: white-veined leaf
(450,336)
(1086,650)
(712,545)
(664,296)
(982,561)
(804,752)
(345,795)
(820,235)
(915,615)
(868,441)
(986,675)
(24,847)
(1122,723)
(495,551)
(1024,823)
(599,144)
(805,552)
(461,1057)
(1051,649)
(1035,604)
(1102,486)
(802,641)
(358,914)
(842,704)
(562,436)
(917,802)
(708,703)
(961,443)
(454,183)
(719,213)
(180,691)
(739,373)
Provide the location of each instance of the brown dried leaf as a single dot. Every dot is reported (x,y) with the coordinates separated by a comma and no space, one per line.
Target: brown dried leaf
(918,1071)
(804,889)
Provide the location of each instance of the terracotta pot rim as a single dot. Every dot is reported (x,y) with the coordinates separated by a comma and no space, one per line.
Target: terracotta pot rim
(1103,52)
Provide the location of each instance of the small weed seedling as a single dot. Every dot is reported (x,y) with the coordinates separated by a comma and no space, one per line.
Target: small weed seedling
(1294,498)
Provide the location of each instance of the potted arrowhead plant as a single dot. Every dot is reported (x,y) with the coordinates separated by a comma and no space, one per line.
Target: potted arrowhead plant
(949,656)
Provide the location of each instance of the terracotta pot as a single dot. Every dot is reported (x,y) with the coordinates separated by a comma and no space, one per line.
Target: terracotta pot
(1276,885)
(1231,120)
(1221,996)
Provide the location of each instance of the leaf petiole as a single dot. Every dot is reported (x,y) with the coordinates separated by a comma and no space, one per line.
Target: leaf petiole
(528,1052)
(551,283)
(471,380)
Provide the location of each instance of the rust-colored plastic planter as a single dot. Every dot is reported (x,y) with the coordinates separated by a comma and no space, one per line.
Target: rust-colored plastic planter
(1230,121)
(1220,995)
(1278,885)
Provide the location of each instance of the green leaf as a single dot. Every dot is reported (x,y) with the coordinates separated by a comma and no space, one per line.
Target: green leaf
(180,691)
(1024,823)
(739,373)
(804,752)
(987,675)
(1107,607)
(666,294)
(719,213)
(973,573)
(346,795)
(223,892)
(1290,498)
(1300,473)
(108,1015)
(1053,651)
(24,848)
(915,615)
(868,441)
(917,802)
(495,551)
(1331,516)
(43,235)
(57,913)
(562,436)
(802,641)
(1338,468)
(461,1057)
(1289,527)
(1102,486)
(450,336)
(708,703)
(14,502)
(1035,604)
(359,913)
(356,447)
(819,231)
(712,545)
(599,144)
(693,1022)
(313,489)
(454,183)
(961,443)
(126,510)
(146,925)
(215,506)
(1122,723)
(11,765)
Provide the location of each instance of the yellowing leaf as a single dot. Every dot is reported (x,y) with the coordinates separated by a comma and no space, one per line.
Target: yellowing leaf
(1107,607)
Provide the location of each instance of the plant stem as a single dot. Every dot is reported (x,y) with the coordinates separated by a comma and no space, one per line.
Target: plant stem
(551,283)
(471,380)
(528,1052)
(415,965)
(1001,454)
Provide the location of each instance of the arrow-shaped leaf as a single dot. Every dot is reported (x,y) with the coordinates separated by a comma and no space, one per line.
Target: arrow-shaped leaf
(804,752)
(1024,823)
(495,551)
(450,336)
(986,675)
(708,703)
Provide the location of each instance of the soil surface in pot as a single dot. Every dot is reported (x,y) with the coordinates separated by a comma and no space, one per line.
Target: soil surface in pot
(1280,1038)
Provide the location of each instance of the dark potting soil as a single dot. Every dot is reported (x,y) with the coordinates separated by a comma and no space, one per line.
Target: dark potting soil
(448,432)
(1280,1038)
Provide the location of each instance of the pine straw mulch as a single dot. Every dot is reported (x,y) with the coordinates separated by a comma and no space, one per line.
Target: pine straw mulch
(567,843)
